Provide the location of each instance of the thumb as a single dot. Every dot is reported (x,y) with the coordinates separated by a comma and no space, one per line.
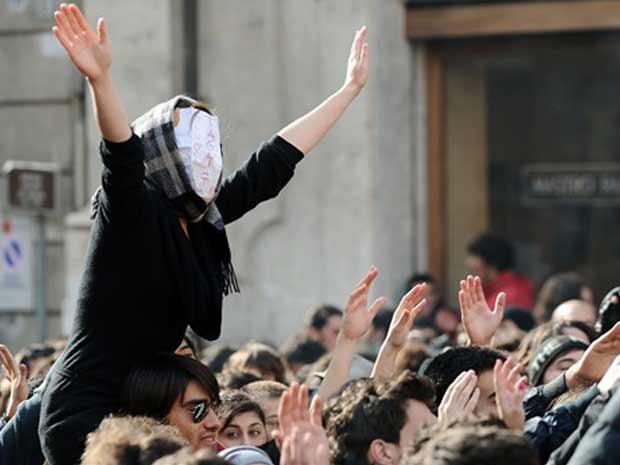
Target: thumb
(102,31)
(23,370)
(316,411)
(500,304)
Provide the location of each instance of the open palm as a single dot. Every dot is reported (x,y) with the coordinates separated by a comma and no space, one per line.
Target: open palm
(357,67)
(90,52)
(357,316)
(479,320)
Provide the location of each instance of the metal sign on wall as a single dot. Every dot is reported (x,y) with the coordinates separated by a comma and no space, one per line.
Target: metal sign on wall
(594,184)
(16,263)
(32,187)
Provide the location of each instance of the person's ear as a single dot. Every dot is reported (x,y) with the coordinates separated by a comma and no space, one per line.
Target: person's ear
(381,452)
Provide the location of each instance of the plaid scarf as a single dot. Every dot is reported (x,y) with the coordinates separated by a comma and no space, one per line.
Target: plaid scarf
(164,169)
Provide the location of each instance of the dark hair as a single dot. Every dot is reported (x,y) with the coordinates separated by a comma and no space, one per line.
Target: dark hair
(236,402)
(319,315)
(444,368)
(216,356)
(419,278)
(608,311)
(304,352)
(236,379)
(260,391)
(474,445)
(379,411)
(494,250)
(258,358)
(556,290)
(383,319)
(152,387)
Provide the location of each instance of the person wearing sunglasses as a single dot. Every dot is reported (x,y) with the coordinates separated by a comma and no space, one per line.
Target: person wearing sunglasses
(179,391)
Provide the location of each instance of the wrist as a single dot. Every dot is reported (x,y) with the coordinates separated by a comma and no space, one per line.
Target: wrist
(344,340)
(350,90)
(104,80)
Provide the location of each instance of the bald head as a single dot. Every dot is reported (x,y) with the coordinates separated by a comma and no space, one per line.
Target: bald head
(575,310)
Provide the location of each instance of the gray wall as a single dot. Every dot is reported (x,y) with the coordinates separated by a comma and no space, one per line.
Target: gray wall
(358,199)
(351,203)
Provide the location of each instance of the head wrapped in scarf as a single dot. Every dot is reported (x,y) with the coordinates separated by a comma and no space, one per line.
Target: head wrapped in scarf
(166,167)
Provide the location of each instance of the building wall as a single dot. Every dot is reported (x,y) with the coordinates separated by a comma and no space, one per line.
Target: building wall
(352,201)
(358,199)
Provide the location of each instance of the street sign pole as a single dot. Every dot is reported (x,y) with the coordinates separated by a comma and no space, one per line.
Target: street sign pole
(34,189)
(41,279)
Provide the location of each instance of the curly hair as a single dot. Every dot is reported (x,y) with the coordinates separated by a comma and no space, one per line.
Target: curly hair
(377,411)
(473,445)
(445,367)
(131,441)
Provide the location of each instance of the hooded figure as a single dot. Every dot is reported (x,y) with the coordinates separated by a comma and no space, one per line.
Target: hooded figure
(158,260)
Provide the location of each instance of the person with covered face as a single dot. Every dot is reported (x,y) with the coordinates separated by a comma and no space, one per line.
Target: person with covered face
(159,258)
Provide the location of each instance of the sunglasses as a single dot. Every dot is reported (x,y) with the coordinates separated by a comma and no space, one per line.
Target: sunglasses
(202,409)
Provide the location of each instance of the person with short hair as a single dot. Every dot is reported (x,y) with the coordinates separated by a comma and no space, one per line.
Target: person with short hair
(301,353)
(323,324)
(492,258)
(260,359)
(267,394)
(384,419)
(474,445)
(443,370)
(575,310)
(242,421)
(131,441)
(176,390)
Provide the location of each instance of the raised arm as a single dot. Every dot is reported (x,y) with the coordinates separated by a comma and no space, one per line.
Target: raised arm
(356,322)
(479,321)
(91,54)
(307,131)
(409,308)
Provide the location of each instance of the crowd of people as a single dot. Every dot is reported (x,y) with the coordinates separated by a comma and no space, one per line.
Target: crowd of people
(511,376)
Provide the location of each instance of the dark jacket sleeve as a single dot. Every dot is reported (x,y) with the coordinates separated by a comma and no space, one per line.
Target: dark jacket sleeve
(260,178)
(19,439)
(122,180)
(601,444)
(563,454)
(538,400)
(547,433)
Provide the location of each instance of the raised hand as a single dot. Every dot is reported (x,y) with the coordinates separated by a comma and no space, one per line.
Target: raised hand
(409,308)
(461,397)
(18,378)
(593,364)
(510,389)
(357,68)
(479,321)
(301,437)
(611,377)
(90,52)
(357,317)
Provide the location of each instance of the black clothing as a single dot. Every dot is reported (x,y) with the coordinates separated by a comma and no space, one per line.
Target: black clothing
(19,439)
(144,282)
(601,444)
(563,454)
(538,399)
(548,433)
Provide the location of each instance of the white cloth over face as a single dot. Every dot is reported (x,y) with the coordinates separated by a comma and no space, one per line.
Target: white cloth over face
(198,140)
